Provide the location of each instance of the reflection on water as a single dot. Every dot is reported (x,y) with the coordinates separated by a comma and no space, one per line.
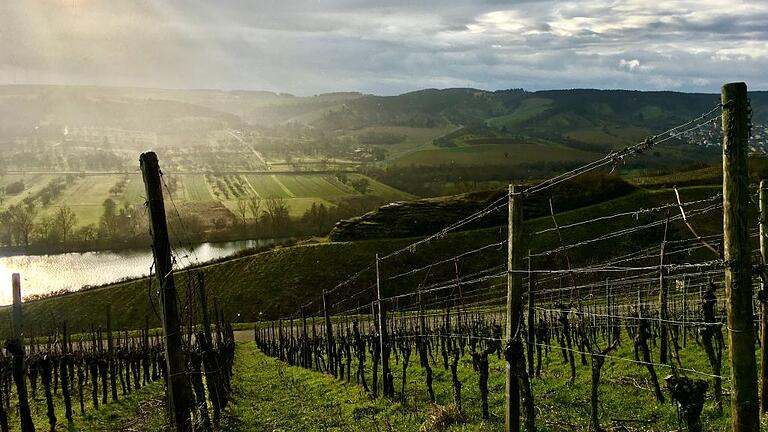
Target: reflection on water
(45,273)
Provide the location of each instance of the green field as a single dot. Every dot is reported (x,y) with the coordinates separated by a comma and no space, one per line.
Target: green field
(613,137)
(528,109)
(415,138)
(495,154)
(86,194)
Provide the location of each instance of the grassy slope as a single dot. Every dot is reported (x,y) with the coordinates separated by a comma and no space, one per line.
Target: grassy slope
(142,410)
(269,395)
(274,282)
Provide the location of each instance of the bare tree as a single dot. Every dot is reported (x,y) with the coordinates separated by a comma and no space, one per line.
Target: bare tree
(66,220)
(276,213)
(23,221)
(254,205)
(242,209)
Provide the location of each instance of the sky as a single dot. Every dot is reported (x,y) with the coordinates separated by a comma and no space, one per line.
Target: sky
(385,47)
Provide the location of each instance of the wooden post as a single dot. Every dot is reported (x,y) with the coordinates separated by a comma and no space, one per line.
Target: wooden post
(663,299)
(383,339)
(178,385)
(738,266)
(15,347)
(328,334)
(18,323)
(514,306)
(531,318)
(212,376)
(764,303)
(111,354)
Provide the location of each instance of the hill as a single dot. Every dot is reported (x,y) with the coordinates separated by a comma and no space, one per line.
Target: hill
(271,284)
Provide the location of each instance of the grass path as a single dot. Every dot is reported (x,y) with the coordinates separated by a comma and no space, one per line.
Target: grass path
(271,396)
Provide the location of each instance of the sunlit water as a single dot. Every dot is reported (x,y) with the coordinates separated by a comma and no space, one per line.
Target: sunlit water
(45,273)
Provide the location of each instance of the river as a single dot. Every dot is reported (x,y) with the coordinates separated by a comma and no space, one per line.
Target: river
(42,274)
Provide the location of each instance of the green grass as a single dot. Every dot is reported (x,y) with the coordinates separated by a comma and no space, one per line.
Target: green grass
(197,188)
(267,395)
(134,191)
(528,109)
(415,138)
(275,396)
(492,154)
(609,137)
(142,410)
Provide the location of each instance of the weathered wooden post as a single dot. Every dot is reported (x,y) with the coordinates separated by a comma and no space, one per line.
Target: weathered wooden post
(111,354)
(17,320)
(212,378)
(15,348)
(383,339)
(178,385)
(738,266)
(663,299)
(531,318)
(514,306)
(328,334)
(764,302)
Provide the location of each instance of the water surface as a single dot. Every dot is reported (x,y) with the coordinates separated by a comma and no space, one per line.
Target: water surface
(42,274)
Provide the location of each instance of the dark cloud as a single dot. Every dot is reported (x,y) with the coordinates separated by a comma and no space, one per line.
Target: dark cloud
(313,46)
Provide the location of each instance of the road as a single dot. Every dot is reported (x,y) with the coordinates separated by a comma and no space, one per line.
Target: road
(258,155)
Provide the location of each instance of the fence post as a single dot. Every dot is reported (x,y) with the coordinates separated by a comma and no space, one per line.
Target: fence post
(764,303)
(178,385)
(663,299)
(111,354)
(514,306)
(531,317)
(383,339)
(738,266)
(328,334)
(15,348)
(18,323)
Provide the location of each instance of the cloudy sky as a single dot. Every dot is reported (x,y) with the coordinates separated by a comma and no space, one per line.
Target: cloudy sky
(385,47)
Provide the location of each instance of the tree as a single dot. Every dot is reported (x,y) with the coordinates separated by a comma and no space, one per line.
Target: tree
(276,214)
(23,221)
(65,222)
(108,223)
(361,185)
(254,205)
(242,209)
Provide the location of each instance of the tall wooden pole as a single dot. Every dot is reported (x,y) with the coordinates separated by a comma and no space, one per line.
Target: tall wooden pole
(18,323)
(738,268)
(663,299)
(514,305)
(531,318)
(383,339)
(15,348)
(111,354)
(328,334)
(178,385)
(764,303)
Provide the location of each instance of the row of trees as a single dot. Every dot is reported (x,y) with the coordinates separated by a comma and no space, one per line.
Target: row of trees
(27,224)
(24,225)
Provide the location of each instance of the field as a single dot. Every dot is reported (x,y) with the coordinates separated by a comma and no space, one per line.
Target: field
(414,138)
(85,194)
(610,138)
(527,110)
(494,154)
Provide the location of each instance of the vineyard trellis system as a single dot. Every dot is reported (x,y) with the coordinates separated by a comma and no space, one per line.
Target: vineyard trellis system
(687,289)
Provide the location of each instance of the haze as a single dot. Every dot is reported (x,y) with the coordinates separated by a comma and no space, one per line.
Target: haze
(313,47)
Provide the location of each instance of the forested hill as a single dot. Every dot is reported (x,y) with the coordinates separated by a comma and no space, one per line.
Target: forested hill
(530,111)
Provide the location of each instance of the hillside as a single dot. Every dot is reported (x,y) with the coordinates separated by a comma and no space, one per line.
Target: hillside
(270,284)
